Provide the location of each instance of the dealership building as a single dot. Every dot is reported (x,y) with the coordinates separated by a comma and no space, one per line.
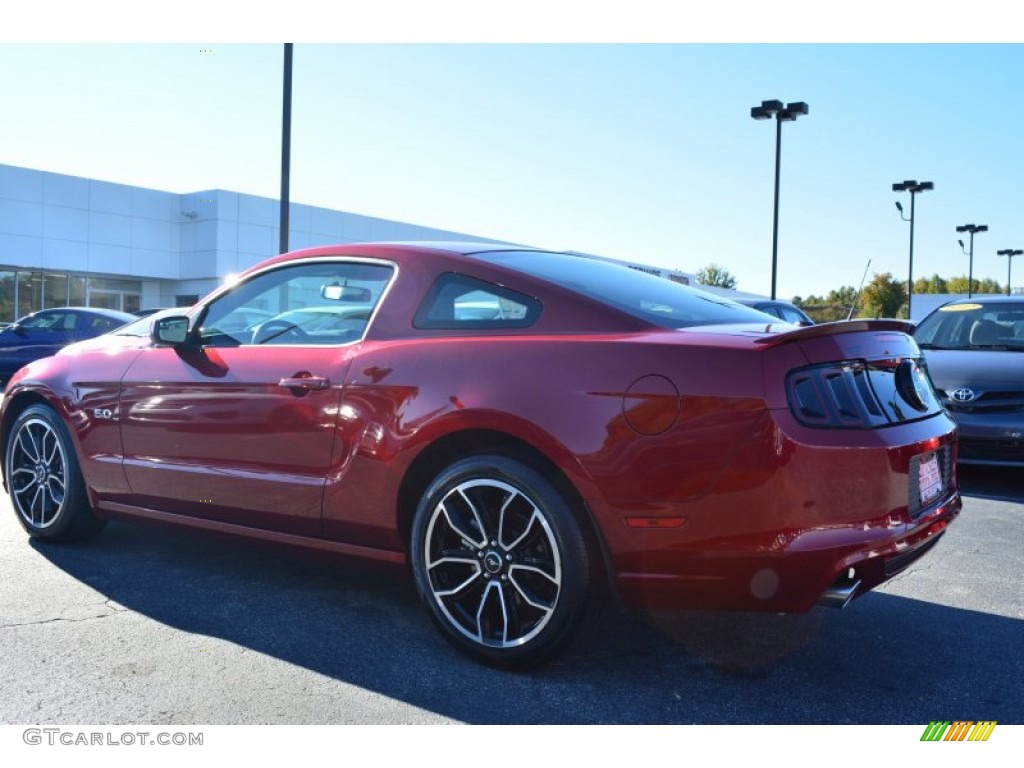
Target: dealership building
(69,241)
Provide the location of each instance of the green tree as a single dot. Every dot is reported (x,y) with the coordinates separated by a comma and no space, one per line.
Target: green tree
(843,297)
(829,308)
(958,284)
(884,297)
(715,275)
(933,284)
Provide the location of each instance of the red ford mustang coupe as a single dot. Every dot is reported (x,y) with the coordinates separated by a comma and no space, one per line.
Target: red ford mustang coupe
(522,428)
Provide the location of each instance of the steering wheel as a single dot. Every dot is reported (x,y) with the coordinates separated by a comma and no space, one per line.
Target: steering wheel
(278,331)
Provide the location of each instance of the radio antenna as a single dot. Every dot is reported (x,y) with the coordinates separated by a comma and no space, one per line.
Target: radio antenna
(857,294)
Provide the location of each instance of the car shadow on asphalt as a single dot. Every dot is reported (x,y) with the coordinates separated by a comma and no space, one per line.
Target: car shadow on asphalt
(886,659)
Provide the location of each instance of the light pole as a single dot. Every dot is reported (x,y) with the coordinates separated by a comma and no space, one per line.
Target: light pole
(913,187)
(782,114)
(1009,253)
(972,228)
(286,148)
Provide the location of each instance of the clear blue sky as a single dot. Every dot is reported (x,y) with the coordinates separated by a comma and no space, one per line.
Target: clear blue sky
(636,151)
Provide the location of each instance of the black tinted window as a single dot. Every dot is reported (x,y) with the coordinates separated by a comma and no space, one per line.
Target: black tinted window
(654,299)
(458,301)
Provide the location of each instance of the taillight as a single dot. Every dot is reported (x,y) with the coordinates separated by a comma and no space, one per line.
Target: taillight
(855,394)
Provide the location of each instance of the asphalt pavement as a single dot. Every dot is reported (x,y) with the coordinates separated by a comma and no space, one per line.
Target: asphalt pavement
(153,625)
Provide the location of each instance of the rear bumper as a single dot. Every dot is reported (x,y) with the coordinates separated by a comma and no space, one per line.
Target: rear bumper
(795,578)
(778,536)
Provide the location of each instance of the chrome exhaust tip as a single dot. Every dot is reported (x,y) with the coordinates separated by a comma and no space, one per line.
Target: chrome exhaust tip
(839,595)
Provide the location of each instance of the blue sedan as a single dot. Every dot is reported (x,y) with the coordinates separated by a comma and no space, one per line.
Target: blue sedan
(42,333)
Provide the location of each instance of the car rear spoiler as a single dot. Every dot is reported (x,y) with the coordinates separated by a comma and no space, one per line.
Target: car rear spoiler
(835,329)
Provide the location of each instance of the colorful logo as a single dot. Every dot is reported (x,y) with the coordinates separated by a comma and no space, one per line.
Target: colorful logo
(960,730)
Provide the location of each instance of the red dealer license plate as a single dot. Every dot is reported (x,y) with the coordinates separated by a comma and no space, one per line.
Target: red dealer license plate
(929,478)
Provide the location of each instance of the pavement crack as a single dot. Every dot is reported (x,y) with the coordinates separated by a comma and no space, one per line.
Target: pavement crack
(114,609)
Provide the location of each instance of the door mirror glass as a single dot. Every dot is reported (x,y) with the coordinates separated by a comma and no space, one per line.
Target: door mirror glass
(170,330)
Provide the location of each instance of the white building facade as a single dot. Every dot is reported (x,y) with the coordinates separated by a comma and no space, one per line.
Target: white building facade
(70,241)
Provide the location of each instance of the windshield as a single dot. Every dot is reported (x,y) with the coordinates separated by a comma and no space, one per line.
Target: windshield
(654,299)
(973,325)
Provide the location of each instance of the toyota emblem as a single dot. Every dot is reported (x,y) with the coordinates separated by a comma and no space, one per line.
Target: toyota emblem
(963,395)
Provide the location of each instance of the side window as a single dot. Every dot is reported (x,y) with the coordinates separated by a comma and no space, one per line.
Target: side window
(321,302)
(104,324)
(52,321)
(460,302)
(791,315)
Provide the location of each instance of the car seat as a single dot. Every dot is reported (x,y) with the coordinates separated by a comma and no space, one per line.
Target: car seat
(984,333)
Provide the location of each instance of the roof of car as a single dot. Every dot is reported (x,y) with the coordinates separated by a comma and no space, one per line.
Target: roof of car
(992,298)
(750,300)
(463,247)
(111,313)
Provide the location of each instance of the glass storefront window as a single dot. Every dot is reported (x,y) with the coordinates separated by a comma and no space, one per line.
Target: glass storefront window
(25,292)
(7,281)
(55,290)
(111,293)
(112,284)
(30,288)
(105,299)
(76,292)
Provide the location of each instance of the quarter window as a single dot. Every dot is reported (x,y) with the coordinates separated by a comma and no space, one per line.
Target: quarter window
(460,302)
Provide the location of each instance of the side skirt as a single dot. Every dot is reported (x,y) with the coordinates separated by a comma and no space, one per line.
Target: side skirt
(117,511)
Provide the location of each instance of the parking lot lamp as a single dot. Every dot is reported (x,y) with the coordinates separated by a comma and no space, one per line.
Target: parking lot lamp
(782,114)
(286,149)
(1009,253)
(972,229)
(913,187)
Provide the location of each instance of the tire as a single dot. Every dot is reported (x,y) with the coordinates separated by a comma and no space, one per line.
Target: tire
(501,562)
(44,479)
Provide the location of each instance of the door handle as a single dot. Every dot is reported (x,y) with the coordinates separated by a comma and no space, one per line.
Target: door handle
(305,381)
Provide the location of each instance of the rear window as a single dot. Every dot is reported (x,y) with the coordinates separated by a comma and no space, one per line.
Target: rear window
(650,298)
(104,324)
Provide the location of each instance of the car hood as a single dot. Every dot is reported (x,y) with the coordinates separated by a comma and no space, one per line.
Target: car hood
(107,343)
(953,368)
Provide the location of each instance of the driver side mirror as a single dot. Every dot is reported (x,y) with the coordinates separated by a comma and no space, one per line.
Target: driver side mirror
(170,330)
